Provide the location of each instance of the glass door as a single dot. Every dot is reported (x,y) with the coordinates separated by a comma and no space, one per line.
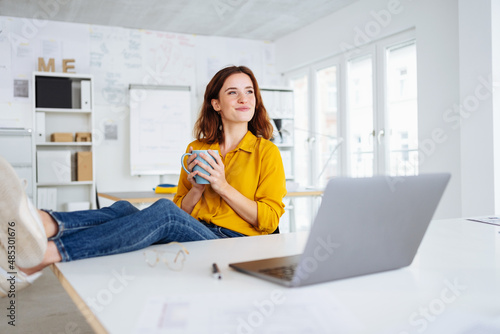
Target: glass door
(328,140)
(360,117)
(382,113)
(402,111)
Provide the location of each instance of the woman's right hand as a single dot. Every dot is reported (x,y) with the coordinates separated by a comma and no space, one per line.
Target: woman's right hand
(191,162)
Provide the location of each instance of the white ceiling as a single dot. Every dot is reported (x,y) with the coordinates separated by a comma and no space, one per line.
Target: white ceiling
(253,19)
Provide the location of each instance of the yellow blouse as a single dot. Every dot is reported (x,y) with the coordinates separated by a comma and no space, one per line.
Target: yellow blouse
(255,169)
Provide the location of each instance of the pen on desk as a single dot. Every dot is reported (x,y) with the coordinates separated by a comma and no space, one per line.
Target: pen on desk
(216,272)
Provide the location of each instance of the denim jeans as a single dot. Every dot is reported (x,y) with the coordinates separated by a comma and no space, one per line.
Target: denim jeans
(123,228)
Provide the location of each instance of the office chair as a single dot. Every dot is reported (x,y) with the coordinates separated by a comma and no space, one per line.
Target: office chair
(98,206)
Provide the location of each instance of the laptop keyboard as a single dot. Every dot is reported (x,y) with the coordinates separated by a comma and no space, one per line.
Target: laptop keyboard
(285,272)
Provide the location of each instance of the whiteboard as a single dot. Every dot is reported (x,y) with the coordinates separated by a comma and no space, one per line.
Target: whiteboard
(160,128)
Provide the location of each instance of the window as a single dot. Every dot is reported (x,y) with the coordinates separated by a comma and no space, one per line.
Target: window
(402,112)
(301,213)
(327,137)
(358,116)
(300,86)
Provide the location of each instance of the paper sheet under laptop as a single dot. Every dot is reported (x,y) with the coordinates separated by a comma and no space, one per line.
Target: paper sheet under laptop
(487,220)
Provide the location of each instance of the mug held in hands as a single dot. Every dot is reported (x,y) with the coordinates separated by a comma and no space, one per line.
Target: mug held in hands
(198,178)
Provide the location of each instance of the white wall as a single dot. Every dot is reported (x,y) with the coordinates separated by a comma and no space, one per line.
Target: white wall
(436,27)
(477,121)
(117,57)
(448,72)
(495,55)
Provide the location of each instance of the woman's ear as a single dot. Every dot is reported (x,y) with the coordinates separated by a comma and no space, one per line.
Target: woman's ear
(215,105)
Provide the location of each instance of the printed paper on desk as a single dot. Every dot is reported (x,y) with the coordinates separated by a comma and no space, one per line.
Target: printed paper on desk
(160,316)
(279,310)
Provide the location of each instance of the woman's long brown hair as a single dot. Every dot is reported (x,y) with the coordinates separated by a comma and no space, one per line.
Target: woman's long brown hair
(208,127)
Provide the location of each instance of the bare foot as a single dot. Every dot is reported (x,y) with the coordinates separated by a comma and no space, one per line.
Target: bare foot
(51,256)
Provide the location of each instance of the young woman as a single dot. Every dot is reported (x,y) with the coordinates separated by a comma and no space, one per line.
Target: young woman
(244,197)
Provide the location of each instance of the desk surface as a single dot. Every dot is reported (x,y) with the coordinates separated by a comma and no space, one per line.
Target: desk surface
(452,284)
(136,196)
(151,196)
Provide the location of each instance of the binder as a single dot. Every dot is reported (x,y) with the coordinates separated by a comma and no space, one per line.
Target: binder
(51,199)
(40,127)
(76,88)
(85,94)
(47,198)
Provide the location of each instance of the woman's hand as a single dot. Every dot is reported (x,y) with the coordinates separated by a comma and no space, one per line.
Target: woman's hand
(191,162)
(217,177)
(244,207)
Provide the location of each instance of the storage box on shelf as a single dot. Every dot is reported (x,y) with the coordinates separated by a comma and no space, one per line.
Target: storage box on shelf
(63,121)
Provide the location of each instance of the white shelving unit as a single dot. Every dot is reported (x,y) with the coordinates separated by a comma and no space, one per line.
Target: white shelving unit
(64,190)
(279,104)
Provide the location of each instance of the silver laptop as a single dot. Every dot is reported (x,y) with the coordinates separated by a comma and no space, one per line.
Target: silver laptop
(363,226)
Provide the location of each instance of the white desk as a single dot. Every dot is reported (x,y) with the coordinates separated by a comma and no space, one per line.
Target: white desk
(453,283)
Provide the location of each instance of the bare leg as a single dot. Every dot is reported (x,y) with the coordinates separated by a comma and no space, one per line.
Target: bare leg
(49,224)
(51,256)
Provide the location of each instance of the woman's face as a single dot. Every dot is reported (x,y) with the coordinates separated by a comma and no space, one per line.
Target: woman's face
(236,102)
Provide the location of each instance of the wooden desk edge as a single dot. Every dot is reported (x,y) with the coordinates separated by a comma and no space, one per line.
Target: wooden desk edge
(153,198)
(87,313)
(137,200)
(304,193)
(113,198)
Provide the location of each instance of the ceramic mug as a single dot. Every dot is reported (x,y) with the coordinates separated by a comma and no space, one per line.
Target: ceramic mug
(198,178)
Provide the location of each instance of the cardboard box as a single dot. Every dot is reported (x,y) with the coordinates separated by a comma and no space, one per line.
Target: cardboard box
(83,136)
(53,166)
(61,137)
(84,166)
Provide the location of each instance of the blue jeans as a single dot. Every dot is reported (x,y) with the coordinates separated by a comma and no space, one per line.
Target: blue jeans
(123,228)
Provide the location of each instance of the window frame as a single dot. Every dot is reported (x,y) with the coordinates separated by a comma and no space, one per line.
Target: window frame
(377,49)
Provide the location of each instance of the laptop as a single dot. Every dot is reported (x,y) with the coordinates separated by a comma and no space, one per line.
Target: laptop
(363,226)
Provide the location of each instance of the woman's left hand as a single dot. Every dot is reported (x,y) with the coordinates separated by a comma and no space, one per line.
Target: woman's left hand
(217,177)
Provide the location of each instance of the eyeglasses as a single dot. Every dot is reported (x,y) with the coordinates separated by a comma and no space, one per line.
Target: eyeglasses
(173,256)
